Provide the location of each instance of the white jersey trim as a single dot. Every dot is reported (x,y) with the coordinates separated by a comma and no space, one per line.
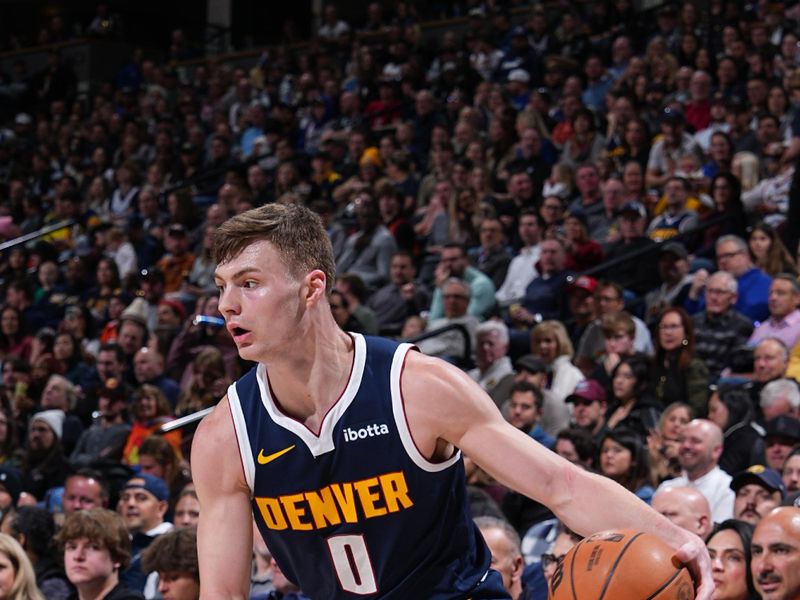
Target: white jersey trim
(317,445)
(240,428)
(402,423)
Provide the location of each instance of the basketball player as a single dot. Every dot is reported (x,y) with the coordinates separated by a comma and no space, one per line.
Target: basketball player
(348,449)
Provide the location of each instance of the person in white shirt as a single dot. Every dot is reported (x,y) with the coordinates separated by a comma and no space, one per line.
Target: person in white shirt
(698,455)
(494,372)
(522,269)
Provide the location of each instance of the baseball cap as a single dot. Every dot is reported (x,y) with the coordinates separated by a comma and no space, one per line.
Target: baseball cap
(582,282)
(675,248)
(588,389)
(783,426)
(634,207)
(760,475)
(149,483)
(532,364)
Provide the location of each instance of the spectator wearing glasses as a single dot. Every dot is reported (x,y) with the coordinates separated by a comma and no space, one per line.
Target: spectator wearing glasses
(733,256)
(720,328)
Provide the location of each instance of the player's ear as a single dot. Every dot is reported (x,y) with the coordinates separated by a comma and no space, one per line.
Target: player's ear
(316,284)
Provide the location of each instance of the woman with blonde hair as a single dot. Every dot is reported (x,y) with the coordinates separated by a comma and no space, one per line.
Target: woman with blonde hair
(550,342)
(17,580)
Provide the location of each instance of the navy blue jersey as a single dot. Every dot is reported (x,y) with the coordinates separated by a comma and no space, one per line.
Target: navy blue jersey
(357,510)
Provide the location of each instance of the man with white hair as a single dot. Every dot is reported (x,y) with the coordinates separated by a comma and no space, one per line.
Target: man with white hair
(720,328)
(780,397)
(494,372)
(698,455)
(733,256)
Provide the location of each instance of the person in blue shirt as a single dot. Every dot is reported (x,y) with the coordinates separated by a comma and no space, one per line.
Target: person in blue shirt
(524,409)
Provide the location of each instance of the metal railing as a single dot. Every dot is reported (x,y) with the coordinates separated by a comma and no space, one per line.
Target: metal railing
(46,230)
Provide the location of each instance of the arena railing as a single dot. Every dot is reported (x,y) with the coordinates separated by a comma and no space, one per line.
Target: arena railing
(46,230)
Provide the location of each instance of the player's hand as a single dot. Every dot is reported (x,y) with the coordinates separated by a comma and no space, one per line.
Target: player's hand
(695,556)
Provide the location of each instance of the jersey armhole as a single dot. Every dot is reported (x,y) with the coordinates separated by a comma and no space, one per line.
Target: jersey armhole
(401,419)
(242,440)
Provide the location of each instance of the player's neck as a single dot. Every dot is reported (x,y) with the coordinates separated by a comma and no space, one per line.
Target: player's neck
(310,377)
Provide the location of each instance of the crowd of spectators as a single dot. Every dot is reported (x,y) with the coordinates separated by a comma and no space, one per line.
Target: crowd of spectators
(592,201)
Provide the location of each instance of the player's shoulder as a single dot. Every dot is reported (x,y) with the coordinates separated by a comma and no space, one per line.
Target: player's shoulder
(215,429)
(430,376)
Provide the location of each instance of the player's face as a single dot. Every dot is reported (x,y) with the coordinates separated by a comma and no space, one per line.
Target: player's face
(260,302)
(728,565)
(87,562)
(178,586)
(776,557)
(753,502)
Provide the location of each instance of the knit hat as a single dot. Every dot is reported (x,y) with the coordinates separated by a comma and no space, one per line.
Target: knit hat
(136,311)
(53,418)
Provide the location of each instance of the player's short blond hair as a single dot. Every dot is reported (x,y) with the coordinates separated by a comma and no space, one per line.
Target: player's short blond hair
(294,231)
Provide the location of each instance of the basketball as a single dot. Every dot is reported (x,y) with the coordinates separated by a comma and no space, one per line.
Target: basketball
(621,565)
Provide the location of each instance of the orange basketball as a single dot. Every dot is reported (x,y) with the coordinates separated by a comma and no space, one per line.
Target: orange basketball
(621,565)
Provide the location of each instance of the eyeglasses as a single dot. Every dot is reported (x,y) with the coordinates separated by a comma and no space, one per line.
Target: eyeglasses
(727,255)
(337,306)
(670,326)
(455,297)
(551,560)
(717,292)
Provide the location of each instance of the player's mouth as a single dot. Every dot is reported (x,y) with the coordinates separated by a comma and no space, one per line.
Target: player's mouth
(237,332)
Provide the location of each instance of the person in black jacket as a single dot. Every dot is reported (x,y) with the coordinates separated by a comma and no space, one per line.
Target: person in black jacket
(96,547)
(731,408)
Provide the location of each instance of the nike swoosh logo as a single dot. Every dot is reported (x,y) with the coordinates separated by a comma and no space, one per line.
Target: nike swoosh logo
(263,460)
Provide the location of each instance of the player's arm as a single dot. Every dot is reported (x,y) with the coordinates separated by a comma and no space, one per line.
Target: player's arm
(225,533)
(443,402)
